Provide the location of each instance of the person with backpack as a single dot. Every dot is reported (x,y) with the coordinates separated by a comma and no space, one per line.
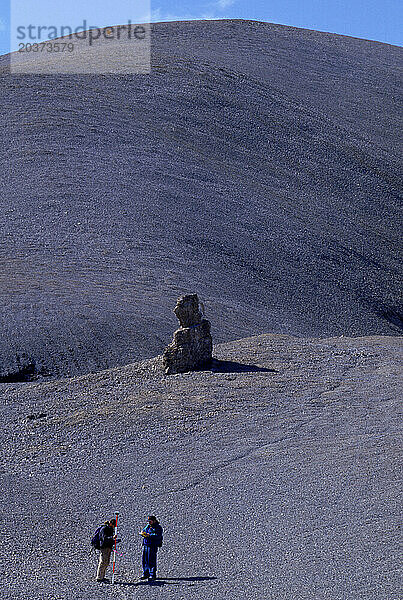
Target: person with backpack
(103,540)
(152,540)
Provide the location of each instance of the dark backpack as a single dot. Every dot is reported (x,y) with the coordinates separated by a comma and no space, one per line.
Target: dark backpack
(160,539)
(95,541)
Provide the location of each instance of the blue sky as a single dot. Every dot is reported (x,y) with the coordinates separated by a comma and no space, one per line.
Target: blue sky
(376,20)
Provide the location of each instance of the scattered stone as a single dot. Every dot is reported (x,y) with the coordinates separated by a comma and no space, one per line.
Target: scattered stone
(192,346)
(36,416)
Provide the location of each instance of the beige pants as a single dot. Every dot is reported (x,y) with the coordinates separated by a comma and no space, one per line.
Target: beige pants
(104,560)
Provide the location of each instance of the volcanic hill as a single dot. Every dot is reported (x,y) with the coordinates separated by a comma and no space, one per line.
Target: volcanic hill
(257,165)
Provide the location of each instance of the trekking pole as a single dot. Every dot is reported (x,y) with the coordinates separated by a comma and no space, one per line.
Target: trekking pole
(115,533)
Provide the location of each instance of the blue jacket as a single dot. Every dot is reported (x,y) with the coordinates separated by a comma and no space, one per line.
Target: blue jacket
(156,536)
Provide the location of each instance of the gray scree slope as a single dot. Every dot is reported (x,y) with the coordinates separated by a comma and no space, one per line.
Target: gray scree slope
(256,165)
(276,476)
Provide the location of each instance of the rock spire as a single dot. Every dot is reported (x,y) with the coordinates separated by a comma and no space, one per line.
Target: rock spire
(192,345)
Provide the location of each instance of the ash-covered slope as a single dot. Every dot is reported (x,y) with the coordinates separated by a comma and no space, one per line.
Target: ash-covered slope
(276,476)
(257,165)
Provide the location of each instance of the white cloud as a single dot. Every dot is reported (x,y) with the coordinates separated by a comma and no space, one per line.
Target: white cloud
(225,3)
(210,11)
(157,15)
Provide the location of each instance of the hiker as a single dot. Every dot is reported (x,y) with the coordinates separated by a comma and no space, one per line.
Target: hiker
(106,542)
(152,540)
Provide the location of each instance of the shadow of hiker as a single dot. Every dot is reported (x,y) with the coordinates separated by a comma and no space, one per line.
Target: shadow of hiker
(229,366)
(156,582)
(194,579)
(165,580)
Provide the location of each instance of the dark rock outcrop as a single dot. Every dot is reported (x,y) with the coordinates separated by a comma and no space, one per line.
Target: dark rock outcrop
(21,370)
(192,345)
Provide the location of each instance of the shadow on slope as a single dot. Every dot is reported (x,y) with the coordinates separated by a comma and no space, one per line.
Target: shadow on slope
(160,581)
(229,366)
